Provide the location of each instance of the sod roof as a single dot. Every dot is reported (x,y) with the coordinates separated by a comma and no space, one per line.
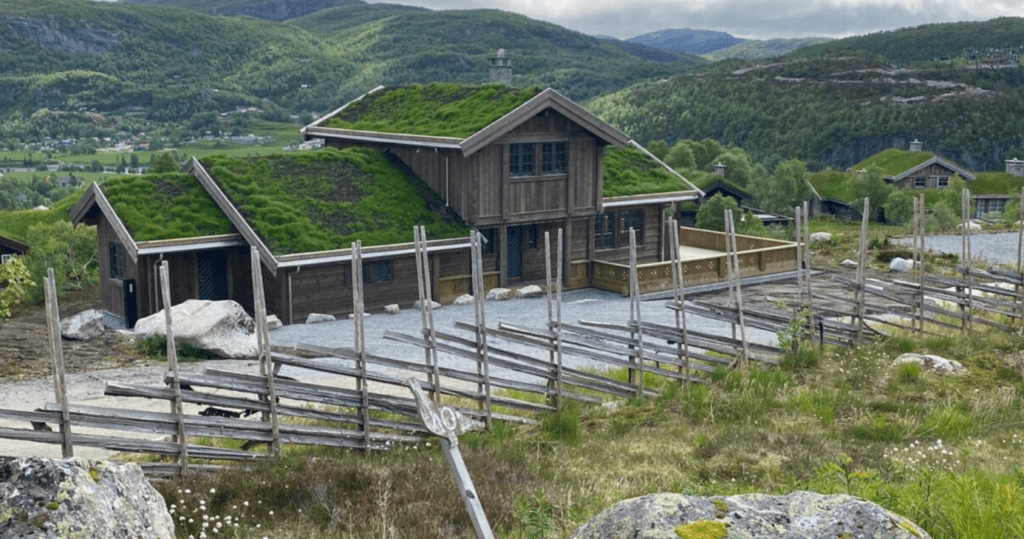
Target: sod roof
(893,161)
(995,183)
(325,200)
(440,110)
(165,206)
(833,184)
(629,171)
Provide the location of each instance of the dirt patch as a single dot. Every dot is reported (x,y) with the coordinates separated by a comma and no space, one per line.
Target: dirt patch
(25,343)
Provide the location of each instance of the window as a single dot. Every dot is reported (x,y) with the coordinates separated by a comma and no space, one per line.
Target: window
(633,219)
(943,181)
(378,271)
(116,261)
(920,182)
(489,235)
(522,159)
(533,235)
(604,231)
(554,157)
(6,258)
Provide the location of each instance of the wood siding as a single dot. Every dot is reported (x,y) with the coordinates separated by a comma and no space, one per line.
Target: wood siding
(930,175)
(653,235)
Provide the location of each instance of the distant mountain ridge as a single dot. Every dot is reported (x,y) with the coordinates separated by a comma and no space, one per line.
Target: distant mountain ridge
(687,40)
(274,10)
(756,49)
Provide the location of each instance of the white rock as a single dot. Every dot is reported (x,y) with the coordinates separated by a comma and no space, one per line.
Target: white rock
(529,291)
(932,361)
(392,309)
(273,322)
(971,225)
(498,294)
(221,327)
(80,498)
(821,237)
(319,318)
(433,305)
(901,265)
(848,264)
(465,299)
(83,326)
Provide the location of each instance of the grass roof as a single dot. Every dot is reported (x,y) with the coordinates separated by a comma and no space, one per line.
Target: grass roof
(15,224)
(995,183)
(833,184)
(441,110)
(325,200)
(165,206)
(629,171)
(893,161)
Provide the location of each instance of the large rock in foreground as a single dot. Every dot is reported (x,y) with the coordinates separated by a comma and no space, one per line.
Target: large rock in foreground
(796,515)
(222,327)
(76,498)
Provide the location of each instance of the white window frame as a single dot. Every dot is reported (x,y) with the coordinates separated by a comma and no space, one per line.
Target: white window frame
(6,258)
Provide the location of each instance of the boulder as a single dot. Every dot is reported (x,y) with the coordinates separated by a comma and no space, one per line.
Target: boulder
(273,322)
(75,497)
(465,299)
(901,265)
(529,291)
(433,305)
(971,225)
(821,237)
(932,362)
(392,308)
(319,318)
(222,327)
(796,515)
(83,326)
(498,294)
(849,264)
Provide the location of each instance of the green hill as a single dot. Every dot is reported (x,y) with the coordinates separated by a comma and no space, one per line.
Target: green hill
(276,10)
(80,69)
(768,48)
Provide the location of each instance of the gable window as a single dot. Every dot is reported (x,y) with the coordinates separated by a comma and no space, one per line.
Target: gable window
(920,182)
(633,219)
(522,159)
(604,231)
(378,271)
(554,157)
(116,261)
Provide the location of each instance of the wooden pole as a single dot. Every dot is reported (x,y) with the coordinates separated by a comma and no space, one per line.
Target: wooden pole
(263,343)
(921,225)
(549,289)
(360,340)
(57,349)
(807,267)
(799,259)
(483,362)
(1020,254)
(965,252)
(558,319)
(636,323)
(862,262)
(678,285)
(427,309)
(734,267)
(172,360)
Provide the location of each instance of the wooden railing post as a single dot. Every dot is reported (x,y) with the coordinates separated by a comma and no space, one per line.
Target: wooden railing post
(172,360)
(263,344)
(57,349)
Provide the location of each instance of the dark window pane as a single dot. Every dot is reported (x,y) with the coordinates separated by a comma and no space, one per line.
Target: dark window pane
(522,159)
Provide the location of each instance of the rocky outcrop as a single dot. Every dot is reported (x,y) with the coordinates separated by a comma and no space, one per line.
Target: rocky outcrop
(222,327)
(76,498)
(74,38)
(797,515)
(931,362)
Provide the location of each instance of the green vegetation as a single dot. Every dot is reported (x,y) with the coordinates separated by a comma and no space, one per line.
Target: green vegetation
(15,224)
(444,110)
(326,200)
(756,49)
(996,183)
(703,529)
(166,206)
(70,251)
(16,281)
(629,171)
(893,161)
(833,184)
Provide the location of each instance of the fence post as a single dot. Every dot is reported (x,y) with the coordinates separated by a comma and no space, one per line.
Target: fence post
(360,340)
(965,258)
(483,367)
(263,344)
(636,321)
(862,261)
(427,309)
(732,257)
(172,360)
(678,284)
(57,349)
(1020,256)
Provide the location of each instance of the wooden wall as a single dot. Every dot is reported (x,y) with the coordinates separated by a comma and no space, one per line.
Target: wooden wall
(931,174)
(653,240)
(112,290)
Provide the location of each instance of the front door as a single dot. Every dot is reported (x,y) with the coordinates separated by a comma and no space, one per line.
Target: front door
(514,253)
(213,275)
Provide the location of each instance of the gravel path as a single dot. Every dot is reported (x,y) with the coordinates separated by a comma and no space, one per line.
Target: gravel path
(993,248)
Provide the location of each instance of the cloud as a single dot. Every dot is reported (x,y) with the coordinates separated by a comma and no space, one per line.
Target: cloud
(757,19)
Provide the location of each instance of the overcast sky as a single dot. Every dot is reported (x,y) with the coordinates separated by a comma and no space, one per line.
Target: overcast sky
(751,19)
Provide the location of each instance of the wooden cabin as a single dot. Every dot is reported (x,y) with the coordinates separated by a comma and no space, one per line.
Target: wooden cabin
(10,248)
(534,164)
(933,173)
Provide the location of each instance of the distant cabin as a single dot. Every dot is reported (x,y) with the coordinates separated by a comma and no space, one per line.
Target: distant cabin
(10,248)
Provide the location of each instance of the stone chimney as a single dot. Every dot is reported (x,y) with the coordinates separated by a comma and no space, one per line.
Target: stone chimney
(1015,167)
(719,169)
(501,68)
(916,145)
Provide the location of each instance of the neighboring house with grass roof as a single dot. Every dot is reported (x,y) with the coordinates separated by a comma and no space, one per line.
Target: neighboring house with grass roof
(516,163)
(10,248)
(300,211)
(914,168)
